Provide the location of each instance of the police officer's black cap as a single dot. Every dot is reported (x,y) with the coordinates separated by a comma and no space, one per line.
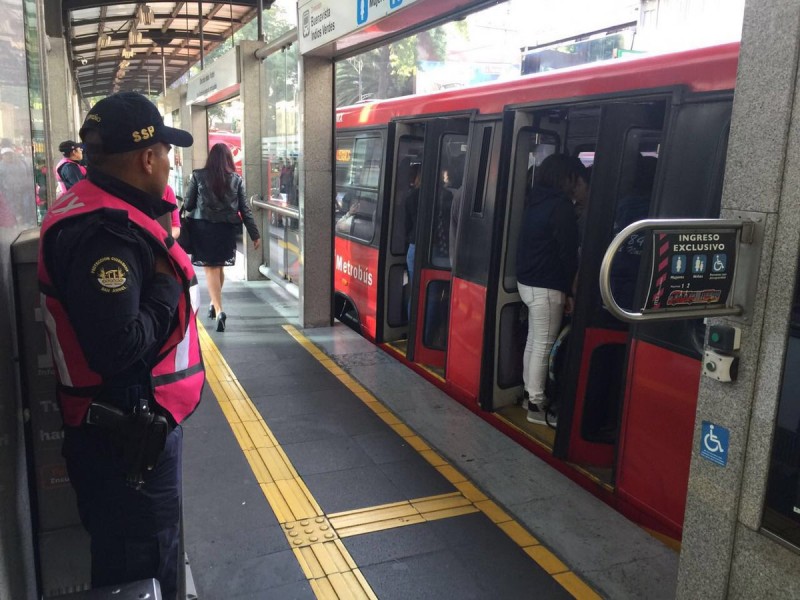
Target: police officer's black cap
(129,121)
(67,146)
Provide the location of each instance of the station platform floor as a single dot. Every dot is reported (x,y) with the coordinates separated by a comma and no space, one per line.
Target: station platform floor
(317,466)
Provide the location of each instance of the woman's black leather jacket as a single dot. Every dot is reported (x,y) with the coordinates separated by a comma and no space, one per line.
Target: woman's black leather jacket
(203,204)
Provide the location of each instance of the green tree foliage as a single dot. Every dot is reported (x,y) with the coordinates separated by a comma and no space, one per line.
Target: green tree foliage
(276,23)
(388,71)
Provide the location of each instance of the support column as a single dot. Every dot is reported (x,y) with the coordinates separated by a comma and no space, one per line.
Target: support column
(724,555)
(250,90)
(316,190)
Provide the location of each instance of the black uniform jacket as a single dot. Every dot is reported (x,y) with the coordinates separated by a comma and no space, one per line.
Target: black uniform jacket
(547,250)
(120,330)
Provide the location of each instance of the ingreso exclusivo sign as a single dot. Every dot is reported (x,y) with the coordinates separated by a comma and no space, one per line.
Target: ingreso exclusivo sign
(691,268)
(698,267)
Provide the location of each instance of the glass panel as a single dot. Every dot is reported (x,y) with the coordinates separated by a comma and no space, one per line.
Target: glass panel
(437,307)
(173,119)
(532,148)
(279,146)
(408,165)
(633,204)
(225,127)
(452,156)
(357,186)
(782,509)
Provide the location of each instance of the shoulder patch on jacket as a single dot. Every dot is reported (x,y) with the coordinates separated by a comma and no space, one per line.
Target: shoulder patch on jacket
(110,274)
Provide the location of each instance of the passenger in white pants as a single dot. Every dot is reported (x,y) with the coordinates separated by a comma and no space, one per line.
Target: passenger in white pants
(547,261)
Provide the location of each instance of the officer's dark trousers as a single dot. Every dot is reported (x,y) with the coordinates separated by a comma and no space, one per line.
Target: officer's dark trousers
(135,533)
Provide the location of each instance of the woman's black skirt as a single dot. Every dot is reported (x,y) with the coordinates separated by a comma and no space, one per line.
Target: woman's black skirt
(214,244)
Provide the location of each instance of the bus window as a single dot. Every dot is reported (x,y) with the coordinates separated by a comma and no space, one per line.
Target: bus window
(532,148)
(358,175)
(409,152)
(452,156)
(633,204)
(782,507)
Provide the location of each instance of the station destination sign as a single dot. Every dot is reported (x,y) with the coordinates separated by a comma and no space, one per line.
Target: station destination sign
(699,268)
(691,268)
(321,22)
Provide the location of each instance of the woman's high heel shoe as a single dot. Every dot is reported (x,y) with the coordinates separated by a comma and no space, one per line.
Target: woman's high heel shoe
(212,313)
(221,321)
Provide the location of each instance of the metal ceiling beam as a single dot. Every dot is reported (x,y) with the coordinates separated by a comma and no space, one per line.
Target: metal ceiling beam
(166,16)
(143,60)
(176,34)
(67,5)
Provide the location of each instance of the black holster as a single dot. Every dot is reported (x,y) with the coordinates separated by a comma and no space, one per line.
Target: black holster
(141,435)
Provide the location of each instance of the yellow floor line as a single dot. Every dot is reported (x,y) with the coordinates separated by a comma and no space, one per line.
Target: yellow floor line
(541,555)
(314,536)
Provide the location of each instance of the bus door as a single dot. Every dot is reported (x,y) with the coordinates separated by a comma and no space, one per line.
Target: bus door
(405,158)
(590,401)
(657,424)
(506,320)
(445,150)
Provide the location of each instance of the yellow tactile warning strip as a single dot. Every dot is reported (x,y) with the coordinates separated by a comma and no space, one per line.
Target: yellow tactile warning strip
(315,538)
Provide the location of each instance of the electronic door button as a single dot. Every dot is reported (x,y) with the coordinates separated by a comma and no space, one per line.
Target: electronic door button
(724,338)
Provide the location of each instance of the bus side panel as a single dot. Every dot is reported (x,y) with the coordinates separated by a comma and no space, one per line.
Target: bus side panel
(581,450)
(355,275)
(424,354)
(467,314)
(656,436)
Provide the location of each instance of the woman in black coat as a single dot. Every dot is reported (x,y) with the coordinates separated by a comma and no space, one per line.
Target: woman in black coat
(547,261)
(216,204)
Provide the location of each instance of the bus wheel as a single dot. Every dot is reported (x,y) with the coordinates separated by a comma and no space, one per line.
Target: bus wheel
(347,313)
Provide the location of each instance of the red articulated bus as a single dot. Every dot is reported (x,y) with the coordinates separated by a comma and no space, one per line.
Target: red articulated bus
(626,394)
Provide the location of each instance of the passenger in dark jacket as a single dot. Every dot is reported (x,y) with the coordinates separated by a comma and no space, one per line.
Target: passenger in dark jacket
(547,261)
(216,205)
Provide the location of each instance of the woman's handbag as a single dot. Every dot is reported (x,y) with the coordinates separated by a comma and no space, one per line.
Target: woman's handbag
(185,238)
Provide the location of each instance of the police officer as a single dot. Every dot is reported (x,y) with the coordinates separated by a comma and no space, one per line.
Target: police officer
(120,308)
(69,169)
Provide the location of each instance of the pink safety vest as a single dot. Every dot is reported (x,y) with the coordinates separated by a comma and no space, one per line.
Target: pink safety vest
(61,187)
(178,376)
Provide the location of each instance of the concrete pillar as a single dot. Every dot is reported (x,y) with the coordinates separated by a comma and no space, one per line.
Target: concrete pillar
(724,555)
(250,90)
(316,190)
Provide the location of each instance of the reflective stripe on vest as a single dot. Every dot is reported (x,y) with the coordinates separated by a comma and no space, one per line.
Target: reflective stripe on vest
(178,376)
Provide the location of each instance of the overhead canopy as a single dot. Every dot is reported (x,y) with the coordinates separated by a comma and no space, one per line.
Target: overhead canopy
(117,46)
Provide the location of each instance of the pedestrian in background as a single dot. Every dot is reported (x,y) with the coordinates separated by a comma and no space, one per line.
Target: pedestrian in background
(216,205)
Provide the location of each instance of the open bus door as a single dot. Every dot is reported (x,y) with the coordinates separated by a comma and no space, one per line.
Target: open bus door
(591,377)
(405,142)
(504,341)
(445,150)
(594,378)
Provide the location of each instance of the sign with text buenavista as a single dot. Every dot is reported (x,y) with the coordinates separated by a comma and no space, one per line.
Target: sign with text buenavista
(324,21)
(691,268)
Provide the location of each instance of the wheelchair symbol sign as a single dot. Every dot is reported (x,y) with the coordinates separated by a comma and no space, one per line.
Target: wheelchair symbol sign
(714,443)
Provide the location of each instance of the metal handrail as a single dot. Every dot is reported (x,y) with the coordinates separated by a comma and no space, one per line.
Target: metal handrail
(257,202)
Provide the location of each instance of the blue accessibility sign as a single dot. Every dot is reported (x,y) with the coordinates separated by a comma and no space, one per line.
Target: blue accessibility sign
(363,12)
(714,443)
